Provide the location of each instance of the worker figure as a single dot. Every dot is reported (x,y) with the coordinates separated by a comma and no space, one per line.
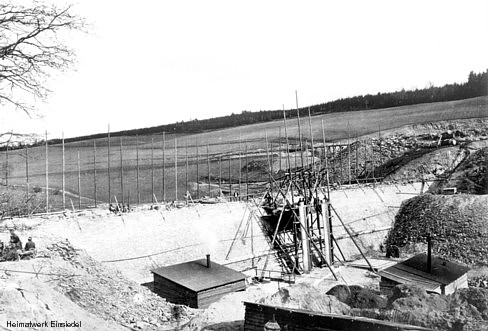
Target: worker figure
(112,209)
(15,240)
(29,250)
(30,245)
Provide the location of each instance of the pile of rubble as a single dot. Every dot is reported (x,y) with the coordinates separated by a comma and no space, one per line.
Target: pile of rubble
(61,248)
(304,296)
(471,176)
(466,309)
(107,293)
(458,224)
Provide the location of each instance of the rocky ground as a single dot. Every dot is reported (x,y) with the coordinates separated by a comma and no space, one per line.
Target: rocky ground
(458,224)
(62,274)
(466,309)
(95,275)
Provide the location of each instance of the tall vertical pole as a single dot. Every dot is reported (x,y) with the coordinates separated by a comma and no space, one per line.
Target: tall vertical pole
(279,146)
(289,170)
(311,139)
(6,167)
(365,151)
(240,164)
(341,165)
(220,175)
(349,153)
(176,170)
(95,171)
(108,166)
(379,141)
(138,192)
(208,172)
(79,180)
(299,129)
(328,223)
(164,167)
(304,234)
(326,230)
(198,168)
(63,173)
(121,173)
(287,142)
(357,157)
(326,161)
(267,156)
(47,176)
(295,232)
(373,159)
(306,154)
(27,170)
(247,173)
(230,182)
(152,169)
(271,154)
(186,167)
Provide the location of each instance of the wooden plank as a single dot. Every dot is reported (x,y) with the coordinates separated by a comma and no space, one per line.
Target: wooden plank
(205,298)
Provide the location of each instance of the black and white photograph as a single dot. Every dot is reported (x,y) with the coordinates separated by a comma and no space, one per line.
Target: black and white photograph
(244,165)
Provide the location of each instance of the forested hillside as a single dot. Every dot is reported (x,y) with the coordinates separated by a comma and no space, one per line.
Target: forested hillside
(476,85)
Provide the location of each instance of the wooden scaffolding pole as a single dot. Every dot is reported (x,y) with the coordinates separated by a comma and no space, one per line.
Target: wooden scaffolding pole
(288,156)
(79,180)
(198,168)
(95,171)
(152,170)
(329,213)
(27,173)
(164,167)
(299,130)
(208,173)
(279,146)
(311,140)
(349,153)
(240,164)
(121,173)
(176,169)
(247,172)
(267,156)
(220,175)
(108,166)
(6,166)
(63,185)
(47,176)
(230,179)
(138,192)
(186,167)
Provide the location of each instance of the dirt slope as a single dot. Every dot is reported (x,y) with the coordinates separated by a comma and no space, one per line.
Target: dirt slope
(471,175)
(73,286)
(457,222)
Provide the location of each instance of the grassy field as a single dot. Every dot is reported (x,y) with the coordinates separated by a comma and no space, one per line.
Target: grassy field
(223,145)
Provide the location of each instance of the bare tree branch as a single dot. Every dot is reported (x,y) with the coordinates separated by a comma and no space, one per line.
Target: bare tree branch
(30,50)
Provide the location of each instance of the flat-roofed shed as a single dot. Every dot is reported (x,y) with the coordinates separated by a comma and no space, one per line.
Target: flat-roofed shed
(442,277)
(196,283)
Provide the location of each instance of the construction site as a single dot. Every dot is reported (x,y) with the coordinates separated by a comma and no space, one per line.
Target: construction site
(384,231)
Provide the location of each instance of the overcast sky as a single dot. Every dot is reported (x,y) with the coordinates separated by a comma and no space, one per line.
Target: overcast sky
(152,62)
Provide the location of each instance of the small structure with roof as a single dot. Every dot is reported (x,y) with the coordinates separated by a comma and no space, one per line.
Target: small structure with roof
(433,274)
(197,283)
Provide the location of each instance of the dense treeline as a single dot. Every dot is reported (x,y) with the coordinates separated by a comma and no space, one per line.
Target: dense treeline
(477,85)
